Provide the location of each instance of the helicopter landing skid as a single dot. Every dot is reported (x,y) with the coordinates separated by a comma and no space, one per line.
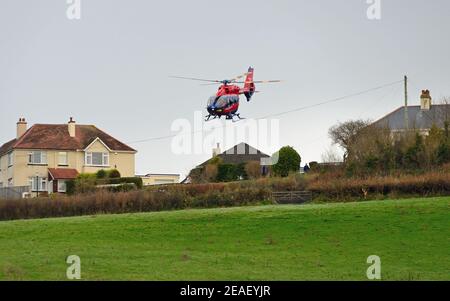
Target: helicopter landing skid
(208,117)
(231,117)
(228,117)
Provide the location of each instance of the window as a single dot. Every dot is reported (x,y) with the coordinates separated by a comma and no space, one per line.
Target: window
(61,186)
(10,159)
(97,159)
(37,157)
(62,159)
(38,182)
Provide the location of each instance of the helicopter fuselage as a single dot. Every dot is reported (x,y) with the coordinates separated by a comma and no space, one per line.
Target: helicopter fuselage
(225,101)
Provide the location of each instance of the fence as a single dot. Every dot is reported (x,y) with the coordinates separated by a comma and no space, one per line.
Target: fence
(13,192)
(292,197)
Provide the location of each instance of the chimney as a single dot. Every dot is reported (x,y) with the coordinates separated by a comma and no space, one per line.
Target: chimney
(21,127)
(216,151)
(425,100)
(71,127)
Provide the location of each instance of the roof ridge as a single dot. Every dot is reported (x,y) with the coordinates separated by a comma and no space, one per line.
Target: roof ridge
(27,132)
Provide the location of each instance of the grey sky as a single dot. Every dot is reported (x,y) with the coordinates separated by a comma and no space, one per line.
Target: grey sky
(111,67)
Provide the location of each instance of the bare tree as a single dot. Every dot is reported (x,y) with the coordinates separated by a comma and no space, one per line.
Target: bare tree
(331,156)
(345,133)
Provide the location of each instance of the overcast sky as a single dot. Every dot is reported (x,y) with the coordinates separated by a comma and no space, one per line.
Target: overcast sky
(111,68)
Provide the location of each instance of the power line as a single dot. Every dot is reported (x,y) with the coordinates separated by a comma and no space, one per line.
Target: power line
(332,100)
(283,113)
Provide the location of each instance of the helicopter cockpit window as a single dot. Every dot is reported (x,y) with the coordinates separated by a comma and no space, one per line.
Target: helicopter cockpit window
(222,102)
(211,100)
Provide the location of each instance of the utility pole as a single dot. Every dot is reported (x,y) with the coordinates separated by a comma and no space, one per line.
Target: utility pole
(406,104)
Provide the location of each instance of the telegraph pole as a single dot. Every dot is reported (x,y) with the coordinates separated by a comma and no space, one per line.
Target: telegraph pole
(406,104)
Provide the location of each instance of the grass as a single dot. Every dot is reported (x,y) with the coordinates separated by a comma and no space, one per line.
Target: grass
(309,242)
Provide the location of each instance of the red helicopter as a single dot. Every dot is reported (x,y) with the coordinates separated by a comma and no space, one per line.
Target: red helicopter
(226,101)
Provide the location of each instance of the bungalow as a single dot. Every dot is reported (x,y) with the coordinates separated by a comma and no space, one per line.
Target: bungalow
(241,153)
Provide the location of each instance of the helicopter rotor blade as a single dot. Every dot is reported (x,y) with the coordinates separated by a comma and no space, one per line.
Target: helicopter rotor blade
(265,81)
(260,82)
(197,79)
(239,77)
(211,84)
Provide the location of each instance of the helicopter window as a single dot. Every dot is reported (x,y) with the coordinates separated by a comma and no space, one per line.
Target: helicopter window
(211,100)
(222,102)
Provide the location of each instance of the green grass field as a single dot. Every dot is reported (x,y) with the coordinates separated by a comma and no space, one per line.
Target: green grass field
(309,242)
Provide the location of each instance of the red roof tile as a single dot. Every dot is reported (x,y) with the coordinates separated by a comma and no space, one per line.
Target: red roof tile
(56,136)
(62,173)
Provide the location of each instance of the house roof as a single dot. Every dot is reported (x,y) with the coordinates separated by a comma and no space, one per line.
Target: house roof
(417,118)
(240,153)
(63,173)
(56,136)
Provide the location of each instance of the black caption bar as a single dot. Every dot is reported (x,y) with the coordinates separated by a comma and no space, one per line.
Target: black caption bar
(221,290)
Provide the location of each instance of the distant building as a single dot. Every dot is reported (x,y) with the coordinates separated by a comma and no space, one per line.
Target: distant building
(419,117)
(159,179)
(241,153)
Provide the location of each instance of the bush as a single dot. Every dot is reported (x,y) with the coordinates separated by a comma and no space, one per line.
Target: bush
(123,187)
(253,169)
(288,161)
(137,181)
(101,174)
(126,199)
(70,187)
(227,173)
(85,183)
(335,187)
(113,173)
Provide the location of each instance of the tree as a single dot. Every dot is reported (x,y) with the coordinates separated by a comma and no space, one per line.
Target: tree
(288,161)
(345,133)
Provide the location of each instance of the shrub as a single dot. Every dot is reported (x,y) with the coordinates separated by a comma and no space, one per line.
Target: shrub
(231,172)
(85,182)
(70,187)
(123,187)
(137,181)
(210,172)
(443,153)
(253,169)
(288,161)
(113,173)
(101,174)
(334,187)
(125,199)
